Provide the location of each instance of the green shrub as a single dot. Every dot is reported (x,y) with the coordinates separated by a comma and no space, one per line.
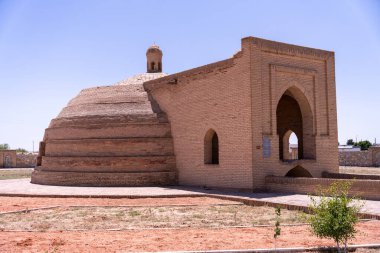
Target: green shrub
(335,214)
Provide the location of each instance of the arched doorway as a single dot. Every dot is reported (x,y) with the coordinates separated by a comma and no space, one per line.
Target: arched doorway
(294,115)
(211,147)
(298,171)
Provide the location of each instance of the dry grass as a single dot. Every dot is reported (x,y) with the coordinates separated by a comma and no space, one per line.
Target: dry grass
(359,170)
(15,173)
(100,218)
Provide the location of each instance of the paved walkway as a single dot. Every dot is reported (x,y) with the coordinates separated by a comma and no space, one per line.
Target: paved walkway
(23,187)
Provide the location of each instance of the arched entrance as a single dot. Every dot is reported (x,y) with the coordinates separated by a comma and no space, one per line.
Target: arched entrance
(211,147)
(294,115)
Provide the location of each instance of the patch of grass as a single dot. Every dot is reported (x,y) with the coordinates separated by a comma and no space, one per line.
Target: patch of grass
(15,174)
(90,218)
(134,213)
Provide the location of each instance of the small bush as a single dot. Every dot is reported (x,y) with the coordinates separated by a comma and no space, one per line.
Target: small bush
(335,214)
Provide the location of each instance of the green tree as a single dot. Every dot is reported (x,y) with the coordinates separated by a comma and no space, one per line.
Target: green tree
(21,150)
(364,145)
(335,214)
(350,142)
(4,146)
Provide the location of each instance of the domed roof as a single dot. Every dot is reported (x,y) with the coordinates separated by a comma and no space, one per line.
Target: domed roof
(124,98)
(154,49)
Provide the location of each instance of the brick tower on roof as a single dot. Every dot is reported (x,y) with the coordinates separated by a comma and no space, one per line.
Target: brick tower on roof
(154,59)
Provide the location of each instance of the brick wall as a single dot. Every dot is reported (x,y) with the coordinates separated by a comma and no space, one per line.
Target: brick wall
(365,158)
(238,98)
(364,188)
(26,160)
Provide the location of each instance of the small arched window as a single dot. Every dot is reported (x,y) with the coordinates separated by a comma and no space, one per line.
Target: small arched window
(211,147)
(152,66)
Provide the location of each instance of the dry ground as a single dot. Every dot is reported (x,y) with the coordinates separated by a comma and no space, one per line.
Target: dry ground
(15,173)
(120,218)
(360,170)
(150,224)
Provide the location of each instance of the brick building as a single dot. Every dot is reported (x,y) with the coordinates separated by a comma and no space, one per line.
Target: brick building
(226,124)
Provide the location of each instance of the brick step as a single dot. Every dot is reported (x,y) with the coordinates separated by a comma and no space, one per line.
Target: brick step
(103,179)
(109,164)
(105,120)
(106,109)
(104,131)
(110,147)
(110,91)
(135,97)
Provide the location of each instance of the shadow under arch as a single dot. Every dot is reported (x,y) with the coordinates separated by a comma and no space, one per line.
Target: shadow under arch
(294,113)
(211,147)
(298,171)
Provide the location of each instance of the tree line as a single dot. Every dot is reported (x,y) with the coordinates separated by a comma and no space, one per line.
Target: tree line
(364,145)
(5,146)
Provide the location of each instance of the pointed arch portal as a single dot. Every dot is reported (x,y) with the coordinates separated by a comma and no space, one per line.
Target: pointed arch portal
(294,115)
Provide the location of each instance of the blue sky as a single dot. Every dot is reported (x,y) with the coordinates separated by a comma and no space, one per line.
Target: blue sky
(50,50)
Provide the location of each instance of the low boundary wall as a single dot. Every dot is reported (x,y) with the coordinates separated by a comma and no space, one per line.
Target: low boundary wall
(326,174)
(365,158)
(364,188)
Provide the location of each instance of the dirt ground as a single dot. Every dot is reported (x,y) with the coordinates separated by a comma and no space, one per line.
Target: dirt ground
(360,170)
(22,203)
(15,173)
(172,239)
(198,234)
(120,218)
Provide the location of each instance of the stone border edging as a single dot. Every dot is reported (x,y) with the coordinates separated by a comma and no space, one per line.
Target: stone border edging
(244,200)
(283,250)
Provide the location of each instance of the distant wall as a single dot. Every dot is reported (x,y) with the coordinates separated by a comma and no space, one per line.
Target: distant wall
(7,158)
(368,189)
(26,160)
(367,158)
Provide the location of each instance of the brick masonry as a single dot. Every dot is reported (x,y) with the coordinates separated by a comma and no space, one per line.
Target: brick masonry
(238,99)
(365,188)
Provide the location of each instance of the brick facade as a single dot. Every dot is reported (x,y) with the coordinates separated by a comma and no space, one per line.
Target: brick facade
(238,99)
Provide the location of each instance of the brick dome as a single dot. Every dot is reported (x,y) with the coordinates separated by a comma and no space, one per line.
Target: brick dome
(108,136)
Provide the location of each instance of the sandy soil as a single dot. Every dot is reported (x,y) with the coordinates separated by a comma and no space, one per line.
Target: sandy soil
(21,203)
(172,239)
(15,173)
(156,239)
(106,218)
(360,170)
